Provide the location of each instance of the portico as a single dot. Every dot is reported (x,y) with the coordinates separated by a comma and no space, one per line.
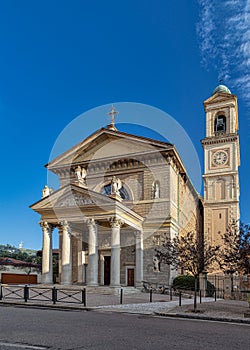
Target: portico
(84,233)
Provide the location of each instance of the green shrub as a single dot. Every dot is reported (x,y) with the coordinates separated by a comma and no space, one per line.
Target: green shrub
(187,282)
(184,282)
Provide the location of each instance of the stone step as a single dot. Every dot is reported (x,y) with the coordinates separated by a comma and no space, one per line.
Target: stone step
(111,290)
(103,290)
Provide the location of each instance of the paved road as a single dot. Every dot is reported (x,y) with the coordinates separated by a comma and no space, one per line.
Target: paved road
(41,329)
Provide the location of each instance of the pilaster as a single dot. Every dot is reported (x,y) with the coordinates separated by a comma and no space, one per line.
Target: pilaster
(139,258)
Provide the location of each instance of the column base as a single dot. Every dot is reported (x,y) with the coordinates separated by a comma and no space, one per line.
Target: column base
(47,280)
(92,285)
(66,283)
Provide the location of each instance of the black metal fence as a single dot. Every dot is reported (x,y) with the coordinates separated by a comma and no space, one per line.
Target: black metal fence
(43,294)
(231,286)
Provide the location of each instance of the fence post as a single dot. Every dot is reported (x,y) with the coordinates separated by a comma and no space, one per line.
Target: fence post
(1,292)
(215,296)
(26,293)
(170,294)
(200,296)
(195,301)
(84,296)
(179,298)
(121,296)
(54,295)
(150,295)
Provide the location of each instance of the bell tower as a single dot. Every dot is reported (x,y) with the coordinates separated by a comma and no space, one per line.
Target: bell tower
(221,161)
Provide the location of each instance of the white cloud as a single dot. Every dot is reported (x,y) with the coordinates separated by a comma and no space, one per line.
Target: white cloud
(224,39)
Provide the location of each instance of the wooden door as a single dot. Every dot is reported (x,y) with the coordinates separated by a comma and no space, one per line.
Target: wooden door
(131,277)
(107,260)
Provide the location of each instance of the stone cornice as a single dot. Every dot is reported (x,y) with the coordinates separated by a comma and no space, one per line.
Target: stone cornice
(131,163)
(220,139)
(220,203)
(220,173)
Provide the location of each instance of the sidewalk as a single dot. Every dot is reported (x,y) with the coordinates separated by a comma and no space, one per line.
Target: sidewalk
(221,310)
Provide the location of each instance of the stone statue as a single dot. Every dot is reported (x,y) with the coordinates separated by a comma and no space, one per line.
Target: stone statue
(80,174)
(116,185)
(156,190)
(156,262)
(45,191)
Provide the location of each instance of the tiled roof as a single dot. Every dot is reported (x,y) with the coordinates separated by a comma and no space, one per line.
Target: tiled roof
(15,262)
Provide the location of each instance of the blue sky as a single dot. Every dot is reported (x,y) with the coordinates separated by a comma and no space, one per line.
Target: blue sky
(60,59)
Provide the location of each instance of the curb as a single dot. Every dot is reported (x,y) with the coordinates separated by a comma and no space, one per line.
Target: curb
(161,314)
(205,318)
(47,306)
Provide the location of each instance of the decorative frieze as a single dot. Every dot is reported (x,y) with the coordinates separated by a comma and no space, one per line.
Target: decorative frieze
(77,200)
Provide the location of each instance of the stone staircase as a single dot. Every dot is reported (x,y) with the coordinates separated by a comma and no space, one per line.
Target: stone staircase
(107,290)
(102,290)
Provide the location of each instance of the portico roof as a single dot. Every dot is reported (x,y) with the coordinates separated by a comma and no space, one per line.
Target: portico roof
(77,204)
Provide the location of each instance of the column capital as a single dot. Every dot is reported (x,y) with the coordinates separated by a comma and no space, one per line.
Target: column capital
(115,222)
(90,222)
(45,225)
(64,225)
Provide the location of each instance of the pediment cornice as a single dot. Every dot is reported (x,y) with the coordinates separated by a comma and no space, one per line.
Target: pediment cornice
(95,145)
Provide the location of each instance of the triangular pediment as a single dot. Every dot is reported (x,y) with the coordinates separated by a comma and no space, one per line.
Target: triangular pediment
(106,143)
(220,97)
(71,196)
(77,204)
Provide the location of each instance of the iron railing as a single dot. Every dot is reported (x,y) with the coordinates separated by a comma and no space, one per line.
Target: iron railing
(43,294)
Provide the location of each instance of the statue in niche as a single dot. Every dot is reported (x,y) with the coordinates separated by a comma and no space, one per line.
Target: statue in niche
(46,191)
(81,174)
(116,185)
(156,263)
(156,190)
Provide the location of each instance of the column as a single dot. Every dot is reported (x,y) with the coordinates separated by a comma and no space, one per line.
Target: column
(66,277)
(80,261)
(115,251)
(102,270)
(139,258)
(60,254)
(47,261)
(93,253)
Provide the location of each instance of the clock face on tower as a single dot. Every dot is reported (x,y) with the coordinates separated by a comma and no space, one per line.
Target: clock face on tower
(220,158)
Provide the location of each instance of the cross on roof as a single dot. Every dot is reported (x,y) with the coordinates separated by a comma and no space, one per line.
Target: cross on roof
(113,113)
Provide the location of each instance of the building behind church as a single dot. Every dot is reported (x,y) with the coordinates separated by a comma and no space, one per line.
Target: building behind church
(120,194)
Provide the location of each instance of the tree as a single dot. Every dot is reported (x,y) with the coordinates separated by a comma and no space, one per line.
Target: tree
(9,251)
(189,253)
(235,251)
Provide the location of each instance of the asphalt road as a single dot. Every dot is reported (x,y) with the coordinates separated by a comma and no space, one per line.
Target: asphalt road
(25,328)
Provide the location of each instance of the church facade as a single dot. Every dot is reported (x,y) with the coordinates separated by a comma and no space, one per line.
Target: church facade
(121,194)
